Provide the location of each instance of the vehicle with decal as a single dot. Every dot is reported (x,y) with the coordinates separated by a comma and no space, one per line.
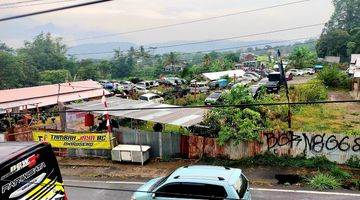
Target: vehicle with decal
(29,171)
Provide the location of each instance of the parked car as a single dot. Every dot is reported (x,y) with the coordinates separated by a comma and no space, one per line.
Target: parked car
(140,89)
(197,182)
(221,83)
(198,87)
(214,98)
(251,77)
(254,75)
(274,82)
(151,97)
(296,72)
(309,71)
(127,85)
(144,84)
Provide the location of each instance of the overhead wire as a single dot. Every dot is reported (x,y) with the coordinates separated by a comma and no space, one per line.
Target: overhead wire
(36,4)
(53,10)
(19,2)
(215,40)
(189,22)
(245,105)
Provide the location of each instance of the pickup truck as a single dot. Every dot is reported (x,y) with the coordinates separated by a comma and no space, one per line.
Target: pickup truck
(274,83)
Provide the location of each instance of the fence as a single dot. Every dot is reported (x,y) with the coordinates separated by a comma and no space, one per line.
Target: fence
(162,144)
(335,147)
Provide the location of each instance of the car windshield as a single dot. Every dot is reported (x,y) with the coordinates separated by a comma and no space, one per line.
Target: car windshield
(215,95)
(274,77)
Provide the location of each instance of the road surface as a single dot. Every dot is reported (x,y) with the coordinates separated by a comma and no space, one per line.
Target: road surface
(107,193)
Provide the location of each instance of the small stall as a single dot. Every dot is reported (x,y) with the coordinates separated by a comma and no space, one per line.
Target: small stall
(130,153)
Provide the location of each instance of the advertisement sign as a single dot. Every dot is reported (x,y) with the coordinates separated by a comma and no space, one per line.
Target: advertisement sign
(75,140)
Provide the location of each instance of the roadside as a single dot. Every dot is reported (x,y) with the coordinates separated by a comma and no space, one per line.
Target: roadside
(111,190)
(102,169)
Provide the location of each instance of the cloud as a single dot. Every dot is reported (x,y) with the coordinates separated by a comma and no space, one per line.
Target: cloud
(125,15)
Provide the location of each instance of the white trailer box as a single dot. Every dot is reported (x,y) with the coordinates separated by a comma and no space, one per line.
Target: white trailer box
(130,153)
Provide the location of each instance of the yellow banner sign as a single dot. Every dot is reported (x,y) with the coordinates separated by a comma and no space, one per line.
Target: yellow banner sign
(75,140)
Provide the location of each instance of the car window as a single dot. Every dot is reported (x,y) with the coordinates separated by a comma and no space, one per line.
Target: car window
(241,186)
(154,97)
(143,98)
(192,190)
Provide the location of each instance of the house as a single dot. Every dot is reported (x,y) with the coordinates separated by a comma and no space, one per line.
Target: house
(355,92)
(332,59)
(248,60)
(15,100)
(218,75)
(174,68)
(354,64)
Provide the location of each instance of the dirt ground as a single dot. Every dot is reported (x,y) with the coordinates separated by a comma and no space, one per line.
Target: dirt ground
(102,168)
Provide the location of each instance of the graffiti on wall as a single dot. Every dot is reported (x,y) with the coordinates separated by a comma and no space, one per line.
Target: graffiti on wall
(315,143)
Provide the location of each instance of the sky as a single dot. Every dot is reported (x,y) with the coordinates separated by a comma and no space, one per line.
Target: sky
(126,15)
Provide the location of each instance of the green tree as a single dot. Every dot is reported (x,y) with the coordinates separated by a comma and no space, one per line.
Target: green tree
(11,73)
(333,44)
(105,68)
(45,52)
(302,57)
(206,60)
(235,124)
(90,71)
(346,15)
(122,64)
(233,57)
(335,39)
(55,76)
(171,59)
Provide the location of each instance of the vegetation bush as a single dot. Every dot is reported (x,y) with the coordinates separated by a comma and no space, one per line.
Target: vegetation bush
(353,162)
(331,76)
(270,159)
(323,182)
(339,174)
(314,90)
(187,100)
(236,124)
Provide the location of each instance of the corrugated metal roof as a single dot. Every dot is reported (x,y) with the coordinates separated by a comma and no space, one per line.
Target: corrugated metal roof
(47,94)
(181,116)
(217,75)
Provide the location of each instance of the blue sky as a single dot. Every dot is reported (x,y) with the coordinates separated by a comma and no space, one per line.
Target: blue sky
(125,15)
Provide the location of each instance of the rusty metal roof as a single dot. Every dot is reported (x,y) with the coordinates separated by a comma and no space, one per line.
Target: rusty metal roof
(181,116)
(47,94)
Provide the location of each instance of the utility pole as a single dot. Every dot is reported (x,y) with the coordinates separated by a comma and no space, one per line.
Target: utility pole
(282,72)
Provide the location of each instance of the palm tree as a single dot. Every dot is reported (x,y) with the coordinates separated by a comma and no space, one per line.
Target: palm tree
(171,59)
(207,60)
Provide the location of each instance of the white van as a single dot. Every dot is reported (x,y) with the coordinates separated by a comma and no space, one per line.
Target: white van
(199,87)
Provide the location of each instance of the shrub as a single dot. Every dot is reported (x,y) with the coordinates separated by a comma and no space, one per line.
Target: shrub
(314,90)
(353,162)
(319,162)
(323,182)
(339,174)
(333,77)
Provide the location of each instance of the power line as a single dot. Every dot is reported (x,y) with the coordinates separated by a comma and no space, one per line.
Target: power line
(217,40)
(241,36)
(247,105)
(219,49)
(53,10)
(35,4)
(188,22)
(19,2)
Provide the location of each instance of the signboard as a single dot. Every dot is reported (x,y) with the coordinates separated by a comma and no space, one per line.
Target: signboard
(75,140)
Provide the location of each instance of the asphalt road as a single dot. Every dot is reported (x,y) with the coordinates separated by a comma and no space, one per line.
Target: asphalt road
(74,193)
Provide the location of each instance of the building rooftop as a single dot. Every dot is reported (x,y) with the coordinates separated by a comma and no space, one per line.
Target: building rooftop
(46,95)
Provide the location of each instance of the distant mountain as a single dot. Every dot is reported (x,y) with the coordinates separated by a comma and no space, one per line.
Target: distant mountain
(87,50)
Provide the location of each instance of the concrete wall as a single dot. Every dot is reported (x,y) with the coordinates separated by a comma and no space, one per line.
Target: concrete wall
(335,147)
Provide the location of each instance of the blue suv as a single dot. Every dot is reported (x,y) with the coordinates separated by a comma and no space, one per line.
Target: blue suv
(197,182)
